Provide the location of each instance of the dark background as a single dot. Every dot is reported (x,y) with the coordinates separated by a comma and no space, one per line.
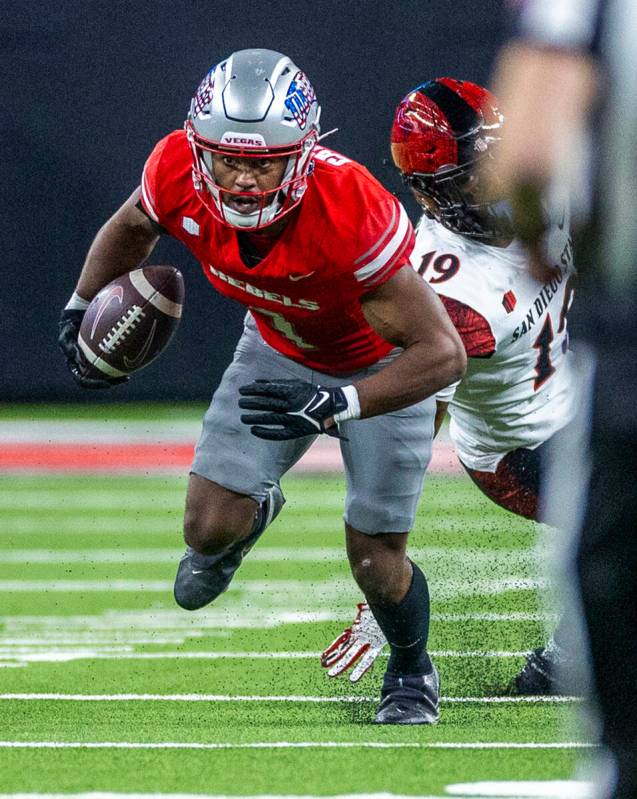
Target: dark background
(88,88)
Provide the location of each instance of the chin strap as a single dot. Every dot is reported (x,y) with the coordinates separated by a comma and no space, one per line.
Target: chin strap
(245,221)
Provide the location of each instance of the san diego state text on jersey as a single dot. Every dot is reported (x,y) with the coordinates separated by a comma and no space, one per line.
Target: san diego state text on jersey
(517,389)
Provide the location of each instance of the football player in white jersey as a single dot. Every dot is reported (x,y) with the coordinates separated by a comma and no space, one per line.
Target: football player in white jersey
(517,391)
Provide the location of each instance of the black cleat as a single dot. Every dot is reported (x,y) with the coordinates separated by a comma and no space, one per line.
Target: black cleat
(411,699)
(541,675)
(202,578)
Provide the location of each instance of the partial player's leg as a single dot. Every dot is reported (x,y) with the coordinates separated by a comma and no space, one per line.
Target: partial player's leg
(546,667)
(234,491)
(606,569)
(397,593)
(220,528)
(515,485)
(385,462)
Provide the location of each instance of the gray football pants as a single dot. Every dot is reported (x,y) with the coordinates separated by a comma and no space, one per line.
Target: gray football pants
(385,457)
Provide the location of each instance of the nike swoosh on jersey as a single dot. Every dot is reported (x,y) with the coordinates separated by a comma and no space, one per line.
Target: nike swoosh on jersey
(294,278)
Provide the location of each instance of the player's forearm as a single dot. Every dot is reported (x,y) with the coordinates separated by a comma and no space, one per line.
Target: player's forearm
(407,313)
(418,372)
(121,245)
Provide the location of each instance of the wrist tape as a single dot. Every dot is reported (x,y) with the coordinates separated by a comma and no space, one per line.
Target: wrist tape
(353,410)
(77,303)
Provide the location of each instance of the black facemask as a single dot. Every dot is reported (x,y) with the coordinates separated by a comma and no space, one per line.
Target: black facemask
(459,204)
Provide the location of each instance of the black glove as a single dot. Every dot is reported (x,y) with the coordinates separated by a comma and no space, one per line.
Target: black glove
(292,408)
(69,328)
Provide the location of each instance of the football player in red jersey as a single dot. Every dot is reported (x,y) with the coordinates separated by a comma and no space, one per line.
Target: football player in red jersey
(519,389)
(341,337)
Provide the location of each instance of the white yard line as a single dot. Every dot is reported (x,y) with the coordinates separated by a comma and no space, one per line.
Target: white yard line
(542,789)
(291,698)
(506,617)
(82,523)
(72,586)
(52,654)
(47,639)
(116,501)
(111,795)
(217,621)
(263,554)
(96,501)
(126,652)
(293,745)
(307,589)
(145,518)
(545,789)
(95,431)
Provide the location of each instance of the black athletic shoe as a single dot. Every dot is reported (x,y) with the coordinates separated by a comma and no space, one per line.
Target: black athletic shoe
(539,676)
(411,699)
(202,578)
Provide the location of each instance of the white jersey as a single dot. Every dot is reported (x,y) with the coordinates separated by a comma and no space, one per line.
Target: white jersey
(518,391)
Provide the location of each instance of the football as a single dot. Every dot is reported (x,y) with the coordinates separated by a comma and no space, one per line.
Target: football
(131,321)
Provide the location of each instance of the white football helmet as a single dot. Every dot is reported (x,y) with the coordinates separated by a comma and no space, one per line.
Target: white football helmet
(255,104)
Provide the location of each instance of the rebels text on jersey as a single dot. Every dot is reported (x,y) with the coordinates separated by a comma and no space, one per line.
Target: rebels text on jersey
(348,236)
(518,388)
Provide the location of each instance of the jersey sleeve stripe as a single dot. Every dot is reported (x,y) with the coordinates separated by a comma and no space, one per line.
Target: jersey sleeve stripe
(378,277)
(378,244)
(147,199)
(389,252)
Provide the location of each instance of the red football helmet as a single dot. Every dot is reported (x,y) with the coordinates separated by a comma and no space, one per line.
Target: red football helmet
(441,131)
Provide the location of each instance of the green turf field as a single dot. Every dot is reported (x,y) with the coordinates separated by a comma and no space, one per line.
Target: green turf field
(232,700)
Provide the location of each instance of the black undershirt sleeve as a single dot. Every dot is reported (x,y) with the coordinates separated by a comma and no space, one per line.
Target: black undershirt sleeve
(159,229)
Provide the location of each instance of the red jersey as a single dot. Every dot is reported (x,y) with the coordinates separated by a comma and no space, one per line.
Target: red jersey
(348,236)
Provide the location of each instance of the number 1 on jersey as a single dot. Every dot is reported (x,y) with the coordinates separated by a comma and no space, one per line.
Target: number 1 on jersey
(284,327)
